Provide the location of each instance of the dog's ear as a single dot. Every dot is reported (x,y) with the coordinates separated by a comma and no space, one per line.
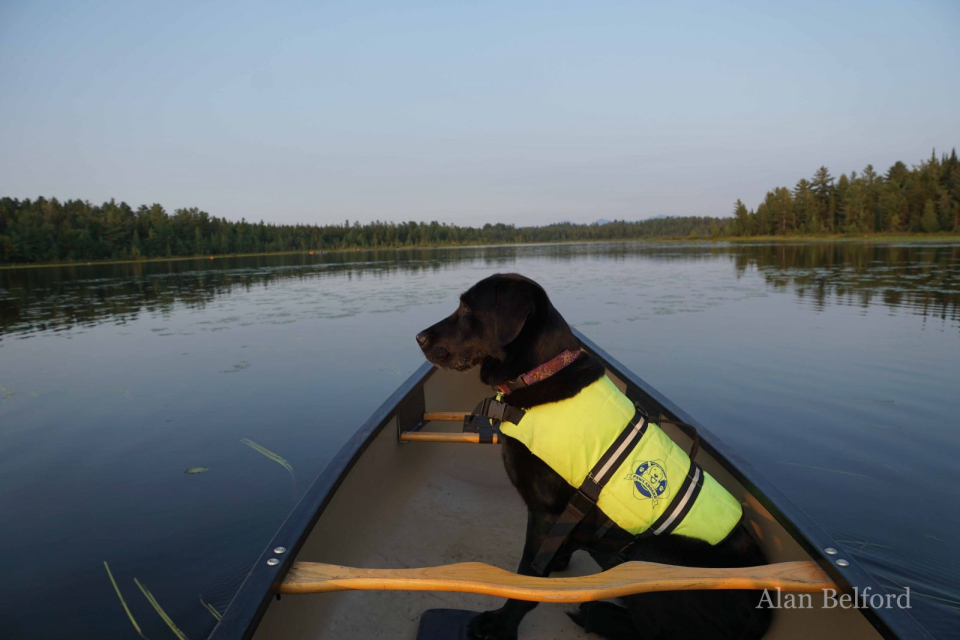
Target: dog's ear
(515,303)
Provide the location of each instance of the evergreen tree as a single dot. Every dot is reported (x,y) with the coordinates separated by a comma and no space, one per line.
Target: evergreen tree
(841,204)
(783,211)
(872,184)
(822,183)
(950,182)
(893,206)
(929,221)
(743,224)
(805,207)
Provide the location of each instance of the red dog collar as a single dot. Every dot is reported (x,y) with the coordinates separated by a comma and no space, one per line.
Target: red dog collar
(541,372)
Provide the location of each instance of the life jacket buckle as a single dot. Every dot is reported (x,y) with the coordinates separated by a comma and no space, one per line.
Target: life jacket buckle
(491,409)
(488,416)
(495,410)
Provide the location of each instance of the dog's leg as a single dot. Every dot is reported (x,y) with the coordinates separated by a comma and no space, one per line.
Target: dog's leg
(562,560)
(503,623)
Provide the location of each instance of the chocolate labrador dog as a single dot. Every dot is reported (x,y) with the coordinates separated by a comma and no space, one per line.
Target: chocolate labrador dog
(507,325)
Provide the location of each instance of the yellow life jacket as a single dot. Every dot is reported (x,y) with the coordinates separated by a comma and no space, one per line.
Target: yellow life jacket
(649,484)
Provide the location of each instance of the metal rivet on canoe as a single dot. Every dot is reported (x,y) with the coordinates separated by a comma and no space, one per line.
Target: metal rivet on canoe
(273,562)
(280,550)
(842,563)
(830,551)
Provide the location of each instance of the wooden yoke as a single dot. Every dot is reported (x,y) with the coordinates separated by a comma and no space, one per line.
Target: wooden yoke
(623,580)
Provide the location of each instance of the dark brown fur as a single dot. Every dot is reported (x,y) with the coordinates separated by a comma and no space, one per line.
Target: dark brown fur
(507,325)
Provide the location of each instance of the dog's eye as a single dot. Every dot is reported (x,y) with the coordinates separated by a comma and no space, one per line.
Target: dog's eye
(464,311)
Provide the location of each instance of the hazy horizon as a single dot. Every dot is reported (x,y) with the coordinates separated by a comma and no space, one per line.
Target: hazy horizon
(502,112)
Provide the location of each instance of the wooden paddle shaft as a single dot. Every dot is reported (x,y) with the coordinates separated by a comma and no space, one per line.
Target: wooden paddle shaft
(436,436)
(623,580)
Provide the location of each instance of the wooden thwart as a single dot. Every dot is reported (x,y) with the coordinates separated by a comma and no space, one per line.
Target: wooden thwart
(623,580)
(445,416)
(438,436)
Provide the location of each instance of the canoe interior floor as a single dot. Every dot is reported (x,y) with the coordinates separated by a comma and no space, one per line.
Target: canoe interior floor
(427,504)
(450,510)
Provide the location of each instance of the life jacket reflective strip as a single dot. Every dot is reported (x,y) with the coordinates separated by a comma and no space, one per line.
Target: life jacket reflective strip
(654,483)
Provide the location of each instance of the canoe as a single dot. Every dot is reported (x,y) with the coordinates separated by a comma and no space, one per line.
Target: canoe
(386,502)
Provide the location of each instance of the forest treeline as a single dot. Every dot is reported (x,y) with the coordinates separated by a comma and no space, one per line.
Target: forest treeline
(921,199)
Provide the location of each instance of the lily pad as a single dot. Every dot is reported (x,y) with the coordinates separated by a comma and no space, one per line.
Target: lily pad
(193,470)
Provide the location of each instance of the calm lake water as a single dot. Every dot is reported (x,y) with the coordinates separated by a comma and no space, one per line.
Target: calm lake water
(833,368)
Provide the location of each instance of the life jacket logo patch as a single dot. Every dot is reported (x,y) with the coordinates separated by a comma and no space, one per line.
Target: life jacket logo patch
(649,482)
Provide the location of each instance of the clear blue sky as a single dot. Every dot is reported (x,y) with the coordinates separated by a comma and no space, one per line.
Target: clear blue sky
(465,112)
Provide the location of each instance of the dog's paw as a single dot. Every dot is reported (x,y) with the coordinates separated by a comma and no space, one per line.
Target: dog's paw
(492,625)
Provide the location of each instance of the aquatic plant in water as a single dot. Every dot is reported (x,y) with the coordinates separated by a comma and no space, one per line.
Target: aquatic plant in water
(276,458)
(133,620)
(209,607)
(160,612)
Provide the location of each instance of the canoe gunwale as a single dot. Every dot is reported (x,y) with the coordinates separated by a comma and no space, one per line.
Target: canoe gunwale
(248,606)
(252,599)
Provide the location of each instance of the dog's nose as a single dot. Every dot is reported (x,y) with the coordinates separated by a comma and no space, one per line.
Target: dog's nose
(423,339)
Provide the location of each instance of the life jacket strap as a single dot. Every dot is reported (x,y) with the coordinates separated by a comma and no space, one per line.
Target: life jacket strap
(618,452)
(604,528)
(686,497)
(691,431)
(670,519)
(573,514)
(585,498)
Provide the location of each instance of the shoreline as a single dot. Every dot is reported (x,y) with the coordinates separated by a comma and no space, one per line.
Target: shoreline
(874,237)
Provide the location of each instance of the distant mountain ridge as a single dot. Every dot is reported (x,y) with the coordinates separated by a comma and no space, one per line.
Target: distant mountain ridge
(599,222)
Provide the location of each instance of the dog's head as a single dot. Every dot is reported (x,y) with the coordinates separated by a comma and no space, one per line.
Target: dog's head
(505,319)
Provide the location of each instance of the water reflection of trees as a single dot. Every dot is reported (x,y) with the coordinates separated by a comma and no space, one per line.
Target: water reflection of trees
(64,297)
(921,278)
